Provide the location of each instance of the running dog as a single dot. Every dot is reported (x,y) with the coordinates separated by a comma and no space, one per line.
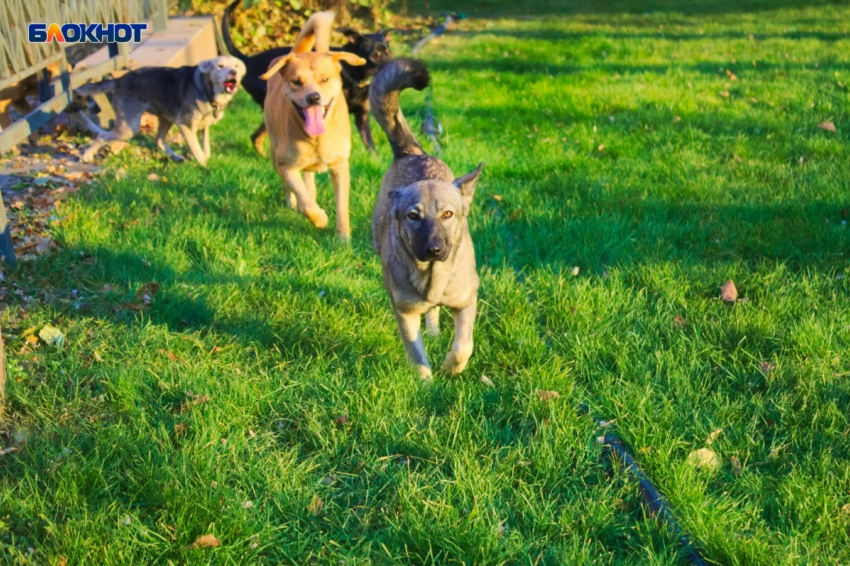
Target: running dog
(374,48)
(420,228)
(193,98)
(307,120)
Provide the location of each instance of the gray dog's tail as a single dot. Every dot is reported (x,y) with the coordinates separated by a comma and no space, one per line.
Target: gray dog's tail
(97,88)
(393,78)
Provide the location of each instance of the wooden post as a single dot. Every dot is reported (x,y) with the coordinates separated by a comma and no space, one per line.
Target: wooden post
(7,250)
(160,16)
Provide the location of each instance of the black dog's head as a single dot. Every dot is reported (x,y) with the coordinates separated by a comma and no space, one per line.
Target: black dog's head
(374,47)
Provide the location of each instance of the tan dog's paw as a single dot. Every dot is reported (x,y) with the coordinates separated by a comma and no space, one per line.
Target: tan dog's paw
(456,361)
(318,217)
(424,372)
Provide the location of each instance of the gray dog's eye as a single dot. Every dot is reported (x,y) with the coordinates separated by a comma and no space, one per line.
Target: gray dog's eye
(413,215)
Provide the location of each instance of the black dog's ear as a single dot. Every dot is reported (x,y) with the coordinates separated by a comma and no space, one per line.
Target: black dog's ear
(385,33)
(466,184)
(352,35)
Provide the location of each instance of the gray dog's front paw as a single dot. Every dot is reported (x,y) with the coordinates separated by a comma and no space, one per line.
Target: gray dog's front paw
(457,359)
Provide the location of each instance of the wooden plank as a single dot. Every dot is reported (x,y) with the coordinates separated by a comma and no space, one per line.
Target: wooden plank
(7,249)
(61,91)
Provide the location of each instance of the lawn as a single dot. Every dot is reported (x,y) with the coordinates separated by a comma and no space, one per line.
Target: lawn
(636,158)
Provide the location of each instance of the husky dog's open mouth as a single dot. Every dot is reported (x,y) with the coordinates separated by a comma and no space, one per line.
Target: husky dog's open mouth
(230,86)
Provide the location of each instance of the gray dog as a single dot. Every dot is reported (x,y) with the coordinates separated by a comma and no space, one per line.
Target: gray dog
(419,228)
(193,98)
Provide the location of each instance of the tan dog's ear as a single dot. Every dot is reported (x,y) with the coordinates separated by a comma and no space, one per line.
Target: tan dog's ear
(466,184)
(277,65)
(349,58)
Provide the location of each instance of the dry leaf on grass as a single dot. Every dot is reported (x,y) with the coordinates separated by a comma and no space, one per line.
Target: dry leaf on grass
(316,506)
(713,436)
(705,458)
(153,177)
(204,541)
(52,336)
(731,75)
(547,395)
(728,292)
(341,420)
(828,126)
(679,322)
(767,368)
(486,381)
(736,465)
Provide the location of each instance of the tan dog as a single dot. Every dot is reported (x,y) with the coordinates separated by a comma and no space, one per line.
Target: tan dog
(307,120)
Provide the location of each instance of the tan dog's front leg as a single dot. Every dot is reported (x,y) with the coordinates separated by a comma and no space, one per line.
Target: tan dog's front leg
(306,205)
(207,151)
(408,327)
(461,350)
(191,138)
(432,321)
(342,182)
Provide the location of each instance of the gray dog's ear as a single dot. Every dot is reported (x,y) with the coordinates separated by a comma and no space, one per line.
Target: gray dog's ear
(206,66)
(466,184)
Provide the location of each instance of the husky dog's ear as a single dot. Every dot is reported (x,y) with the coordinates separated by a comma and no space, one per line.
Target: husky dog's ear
(466,184)
(277,65)
(207,66)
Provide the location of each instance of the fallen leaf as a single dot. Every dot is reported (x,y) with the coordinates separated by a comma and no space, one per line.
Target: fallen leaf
(731,75)
(204,541)
(547,395)
(767,368)
(737,157)
(341,420)
(736,465)
(705,458)
(724,94)
(97,356)
(52,336)
(153,177)
(497,198)
(713,436)
(575,271)
(679,322)
(828,126)
(252,434)
(247,504)
(486,381)
(728,292)
(147,292)
(316,506)
(32,339)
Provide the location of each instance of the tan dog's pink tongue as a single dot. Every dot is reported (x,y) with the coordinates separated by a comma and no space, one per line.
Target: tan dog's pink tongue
(315,120)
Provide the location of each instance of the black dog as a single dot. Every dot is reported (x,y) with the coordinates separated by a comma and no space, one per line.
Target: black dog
(355,80)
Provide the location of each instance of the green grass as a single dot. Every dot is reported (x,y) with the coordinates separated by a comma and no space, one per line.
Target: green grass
(285,330)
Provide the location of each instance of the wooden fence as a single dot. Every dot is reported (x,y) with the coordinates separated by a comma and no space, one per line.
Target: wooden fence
(20,59)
